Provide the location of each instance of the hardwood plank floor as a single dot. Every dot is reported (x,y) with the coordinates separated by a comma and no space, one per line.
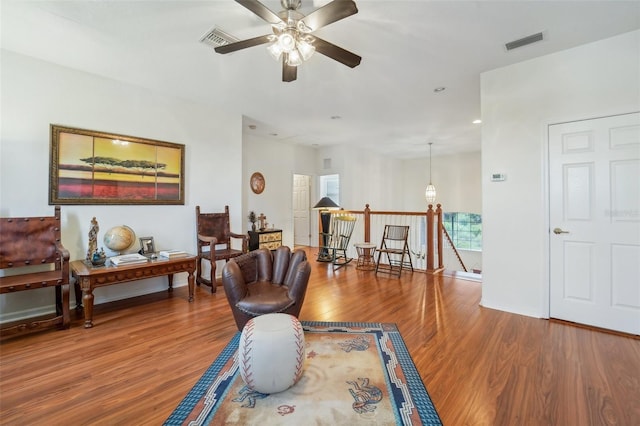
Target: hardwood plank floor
(480,366)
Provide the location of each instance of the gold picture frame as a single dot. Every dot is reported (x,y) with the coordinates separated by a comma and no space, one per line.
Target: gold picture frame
(93,167)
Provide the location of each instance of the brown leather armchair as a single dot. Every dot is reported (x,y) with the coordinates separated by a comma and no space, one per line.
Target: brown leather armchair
(263,282)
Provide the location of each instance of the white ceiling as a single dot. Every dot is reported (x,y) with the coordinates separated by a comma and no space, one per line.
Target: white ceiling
(387,103)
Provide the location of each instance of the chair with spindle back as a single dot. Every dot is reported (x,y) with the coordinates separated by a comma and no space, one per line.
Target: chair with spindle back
(336,241)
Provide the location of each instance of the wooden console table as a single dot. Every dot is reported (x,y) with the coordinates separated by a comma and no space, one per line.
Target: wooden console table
(88,277)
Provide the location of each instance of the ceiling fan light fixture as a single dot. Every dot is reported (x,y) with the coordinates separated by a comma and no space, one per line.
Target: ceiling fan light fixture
(302,27)
(297,48)
(291,41)
(306,49)
(275,50)
(290,4)
(294,59)
(287,42)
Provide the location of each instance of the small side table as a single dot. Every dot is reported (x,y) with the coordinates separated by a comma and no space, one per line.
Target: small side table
(366,261)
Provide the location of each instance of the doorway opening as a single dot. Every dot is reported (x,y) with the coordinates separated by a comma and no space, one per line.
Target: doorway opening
(301,210)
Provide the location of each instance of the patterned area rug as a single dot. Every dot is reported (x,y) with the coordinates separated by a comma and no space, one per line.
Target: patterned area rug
(354,373)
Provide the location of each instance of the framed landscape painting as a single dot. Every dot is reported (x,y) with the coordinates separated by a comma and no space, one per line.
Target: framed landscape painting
(91,167)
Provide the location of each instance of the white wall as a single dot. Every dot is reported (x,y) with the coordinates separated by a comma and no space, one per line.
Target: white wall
(390,184)
(456,178)
(278,162)
(36,93)
(365,177)
(398,185)
(518,103)
(458,189)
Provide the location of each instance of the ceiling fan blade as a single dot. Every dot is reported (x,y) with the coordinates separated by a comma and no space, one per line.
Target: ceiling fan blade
(330,13)
(289,73)
(337,53)
(261,10)
(243,44)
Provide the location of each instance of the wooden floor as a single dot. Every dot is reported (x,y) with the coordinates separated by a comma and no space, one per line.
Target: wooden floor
(480,366)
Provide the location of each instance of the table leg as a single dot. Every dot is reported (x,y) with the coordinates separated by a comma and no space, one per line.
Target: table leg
(170,277)
(191,280)
(87,299)
(78,292)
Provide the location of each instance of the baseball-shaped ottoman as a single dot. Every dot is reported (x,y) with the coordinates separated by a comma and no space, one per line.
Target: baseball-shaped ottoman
(271,352)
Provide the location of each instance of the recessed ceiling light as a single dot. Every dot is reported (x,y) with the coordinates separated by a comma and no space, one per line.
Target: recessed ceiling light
(439,89)
(335,117)
(477,121)
(273,134)
(252,126)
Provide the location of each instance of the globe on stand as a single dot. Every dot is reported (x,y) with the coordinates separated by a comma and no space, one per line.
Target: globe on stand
(119,238)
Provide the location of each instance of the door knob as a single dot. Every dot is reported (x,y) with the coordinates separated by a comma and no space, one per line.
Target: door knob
(559,231)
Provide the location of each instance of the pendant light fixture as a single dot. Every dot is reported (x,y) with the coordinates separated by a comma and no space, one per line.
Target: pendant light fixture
(430,192)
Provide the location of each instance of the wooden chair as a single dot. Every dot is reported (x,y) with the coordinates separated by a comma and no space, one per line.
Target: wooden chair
(336,242)
(214,243)
(32,256)
(394,247)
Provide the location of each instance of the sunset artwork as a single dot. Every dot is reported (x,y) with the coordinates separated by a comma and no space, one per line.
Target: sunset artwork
(97,168)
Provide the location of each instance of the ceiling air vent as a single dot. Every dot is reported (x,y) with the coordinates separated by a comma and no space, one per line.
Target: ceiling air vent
(524,41)
(216,37)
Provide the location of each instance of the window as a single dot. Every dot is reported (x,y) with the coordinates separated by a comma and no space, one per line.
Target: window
(330,187)
(465,230)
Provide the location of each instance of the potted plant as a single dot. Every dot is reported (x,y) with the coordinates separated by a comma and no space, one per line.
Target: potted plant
(252,218)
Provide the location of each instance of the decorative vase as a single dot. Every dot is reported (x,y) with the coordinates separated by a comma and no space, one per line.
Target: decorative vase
(253,226)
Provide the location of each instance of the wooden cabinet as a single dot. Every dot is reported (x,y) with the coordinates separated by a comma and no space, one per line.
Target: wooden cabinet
(269,238)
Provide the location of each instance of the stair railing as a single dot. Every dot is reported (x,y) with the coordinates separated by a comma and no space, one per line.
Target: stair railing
(425,241)
(453,247)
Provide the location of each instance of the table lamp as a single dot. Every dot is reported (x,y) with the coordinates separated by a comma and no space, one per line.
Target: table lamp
(323,206)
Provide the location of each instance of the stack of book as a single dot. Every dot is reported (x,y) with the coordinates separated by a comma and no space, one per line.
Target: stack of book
(128,259)
(172,254)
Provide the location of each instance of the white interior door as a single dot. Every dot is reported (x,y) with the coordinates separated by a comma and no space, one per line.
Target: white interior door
(594,168)
(301,227)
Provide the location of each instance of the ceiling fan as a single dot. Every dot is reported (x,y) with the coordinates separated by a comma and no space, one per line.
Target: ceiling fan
(292,41)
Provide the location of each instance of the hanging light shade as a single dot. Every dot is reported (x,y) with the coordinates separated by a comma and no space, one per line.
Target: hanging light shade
(430,192)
